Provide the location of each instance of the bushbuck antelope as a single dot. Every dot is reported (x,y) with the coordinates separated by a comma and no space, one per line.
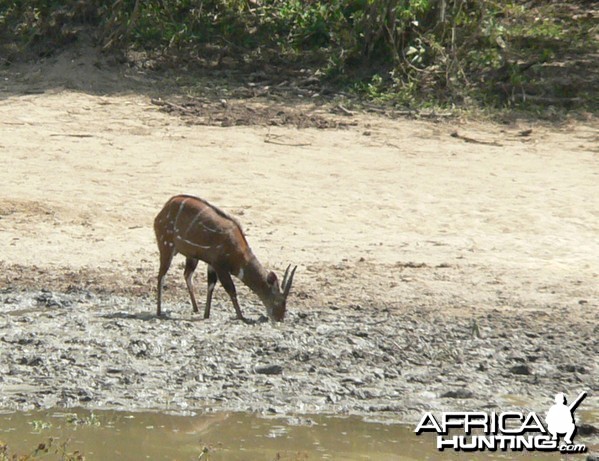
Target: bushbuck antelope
(200,231)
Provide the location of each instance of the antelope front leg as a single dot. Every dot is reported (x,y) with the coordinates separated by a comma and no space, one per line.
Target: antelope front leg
(229,286)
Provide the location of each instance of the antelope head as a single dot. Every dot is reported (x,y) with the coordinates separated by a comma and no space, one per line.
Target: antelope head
(276,303)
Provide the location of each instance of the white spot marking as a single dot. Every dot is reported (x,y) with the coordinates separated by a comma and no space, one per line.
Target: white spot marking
(240,274)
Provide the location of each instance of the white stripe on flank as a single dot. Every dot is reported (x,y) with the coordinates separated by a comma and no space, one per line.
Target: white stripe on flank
(203,247)
(178,213)
(211,229)
(194,220)
(168,216)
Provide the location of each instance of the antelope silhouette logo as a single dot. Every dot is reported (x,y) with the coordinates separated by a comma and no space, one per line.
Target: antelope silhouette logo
(560,417)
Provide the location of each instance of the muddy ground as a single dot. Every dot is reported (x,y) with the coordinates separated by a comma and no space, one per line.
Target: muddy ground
(437,271)
(108,351)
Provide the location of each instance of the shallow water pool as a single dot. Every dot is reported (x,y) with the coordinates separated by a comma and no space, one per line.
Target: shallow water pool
(108,435)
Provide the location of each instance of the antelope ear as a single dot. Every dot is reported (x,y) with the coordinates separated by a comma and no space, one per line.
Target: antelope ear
(271,278)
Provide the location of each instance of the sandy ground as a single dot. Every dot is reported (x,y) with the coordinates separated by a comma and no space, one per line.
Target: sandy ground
(498,237)
(406,214)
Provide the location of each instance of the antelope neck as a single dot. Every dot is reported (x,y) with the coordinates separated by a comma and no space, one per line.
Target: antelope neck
(253,275)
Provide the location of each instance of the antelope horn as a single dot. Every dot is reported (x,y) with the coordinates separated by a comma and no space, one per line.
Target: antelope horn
(289,281)
(285,276)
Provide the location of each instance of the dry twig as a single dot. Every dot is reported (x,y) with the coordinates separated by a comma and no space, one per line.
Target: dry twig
(455,134)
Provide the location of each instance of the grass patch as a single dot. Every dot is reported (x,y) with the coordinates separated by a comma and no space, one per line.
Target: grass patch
(535,56)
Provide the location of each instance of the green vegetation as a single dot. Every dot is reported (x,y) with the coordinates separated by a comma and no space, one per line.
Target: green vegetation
(50,448)
(91,420)
(535,55)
